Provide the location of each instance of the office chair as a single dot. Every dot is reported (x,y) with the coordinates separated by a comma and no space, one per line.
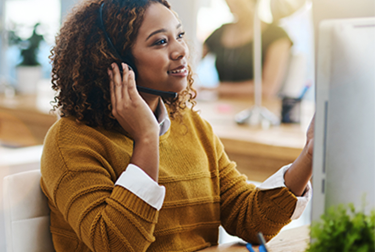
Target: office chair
(26,213)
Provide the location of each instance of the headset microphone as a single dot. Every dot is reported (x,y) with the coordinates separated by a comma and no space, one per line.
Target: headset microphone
(164,94)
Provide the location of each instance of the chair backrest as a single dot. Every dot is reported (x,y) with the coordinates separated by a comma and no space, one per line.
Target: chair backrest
(26,213)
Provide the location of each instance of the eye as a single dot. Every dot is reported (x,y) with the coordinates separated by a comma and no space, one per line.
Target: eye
(181,35)
(161,42)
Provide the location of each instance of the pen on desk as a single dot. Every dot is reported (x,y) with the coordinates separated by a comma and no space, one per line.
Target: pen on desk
(262,248)
(249,247)
(262,241)
(304,91)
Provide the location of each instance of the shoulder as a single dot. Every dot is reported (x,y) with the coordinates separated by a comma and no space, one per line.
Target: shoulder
(67,129)
(274,32)
(273,27)
(68,135)
(215,37)
(193,116)
(219,30)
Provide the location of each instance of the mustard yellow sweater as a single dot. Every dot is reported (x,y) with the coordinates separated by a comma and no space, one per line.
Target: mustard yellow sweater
(80,165)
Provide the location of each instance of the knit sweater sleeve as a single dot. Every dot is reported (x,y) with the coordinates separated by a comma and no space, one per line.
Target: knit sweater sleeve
(79,182)
(246,210)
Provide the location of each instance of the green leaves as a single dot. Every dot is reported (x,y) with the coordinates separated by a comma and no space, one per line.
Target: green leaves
(342,229)
(29,47)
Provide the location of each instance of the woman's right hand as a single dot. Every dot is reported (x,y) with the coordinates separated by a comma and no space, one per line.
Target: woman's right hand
(128,107)
(136,118)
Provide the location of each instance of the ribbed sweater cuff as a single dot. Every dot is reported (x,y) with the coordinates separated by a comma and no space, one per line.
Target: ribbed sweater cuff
(134,204)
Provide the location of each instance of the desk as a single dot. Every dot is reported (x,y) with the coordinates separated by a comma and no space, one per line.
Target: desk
(258,152)
(292,240)
(22,123)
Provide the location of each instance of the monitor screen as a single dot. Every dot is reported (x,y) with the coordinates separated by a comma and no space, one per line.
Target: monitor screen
(344,138)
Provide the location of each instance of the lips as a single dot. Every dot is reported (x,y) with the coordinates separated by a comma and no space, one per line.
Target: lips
(181,70)
(178,71)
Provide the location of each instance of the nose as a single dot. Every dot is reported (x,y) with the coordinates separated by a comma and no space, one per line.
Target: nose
(179,50)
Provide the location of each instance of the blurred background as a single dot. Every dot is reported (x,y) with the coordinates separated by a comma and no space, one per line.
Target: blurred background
(200,18)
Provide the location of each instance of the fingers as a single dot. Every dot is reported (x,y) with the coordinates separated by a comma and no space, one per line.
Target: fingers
(125,76)
(131,86)
(117,79)
(310,130)
(122,87)
(112,88)
(127,103)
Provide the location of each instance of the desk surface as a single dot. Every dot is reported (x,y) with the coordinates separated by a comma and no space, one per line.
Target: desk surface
(24,120)
(221,114)
(292,240)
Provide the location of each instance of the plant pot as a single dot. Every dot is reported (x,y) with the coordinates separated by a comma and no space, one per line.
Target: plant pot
(28,78)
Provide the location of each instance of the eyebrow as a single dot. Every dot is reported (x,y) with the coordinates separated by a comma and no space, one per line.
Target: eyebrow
(161,30)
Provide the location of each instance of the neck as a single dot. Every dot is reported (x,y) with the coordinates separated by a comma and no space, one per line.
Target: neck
(151,100)
(245,22)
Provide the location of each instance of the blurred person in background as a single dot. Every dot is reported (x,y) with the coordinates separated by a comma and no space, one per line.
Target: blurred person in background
(232,44)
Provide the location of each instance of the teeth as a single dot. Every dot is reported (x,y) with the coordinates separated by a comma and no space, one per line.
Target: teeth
(178,71)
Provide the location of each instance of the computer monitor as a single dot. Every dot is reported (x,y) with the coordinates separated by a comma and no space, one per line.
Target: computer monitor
(344,138)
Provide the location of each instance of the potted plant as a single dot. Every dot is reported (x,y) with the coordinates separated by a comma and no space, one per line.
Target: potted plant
(343,229)
(29,71)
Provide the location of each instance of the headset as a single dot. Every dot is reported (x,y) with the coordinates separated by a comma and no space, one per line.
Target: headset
(130,63)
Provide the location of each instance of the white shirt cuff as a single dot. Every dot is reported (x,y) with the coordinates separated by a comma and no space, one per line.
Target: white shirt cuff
(277,181)
(138,182)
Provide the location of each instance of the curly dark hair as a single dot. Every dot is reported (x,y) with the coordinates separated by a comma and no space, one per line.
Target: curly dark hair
(82,55)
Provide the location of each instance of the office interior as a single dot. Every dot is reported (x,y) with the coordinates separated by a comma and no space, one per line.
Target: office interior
(258,150)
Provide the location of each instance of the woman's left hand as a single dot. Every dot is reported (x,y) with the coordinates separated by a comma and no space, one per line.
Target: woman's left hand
(310,137)
(300,172)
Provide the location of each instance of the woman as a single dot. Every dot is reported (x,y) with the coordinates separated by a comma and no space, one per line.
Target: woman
(233,46)
(129,171)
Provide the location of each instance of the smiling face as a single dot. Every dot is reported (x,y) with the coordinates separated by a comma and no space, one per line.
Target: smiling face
(160,52)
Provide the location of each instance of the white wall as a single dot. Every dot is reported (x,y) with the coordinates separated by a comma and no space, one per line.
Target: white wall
(188,12)
(328,9)
(333,9)
(66,6)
